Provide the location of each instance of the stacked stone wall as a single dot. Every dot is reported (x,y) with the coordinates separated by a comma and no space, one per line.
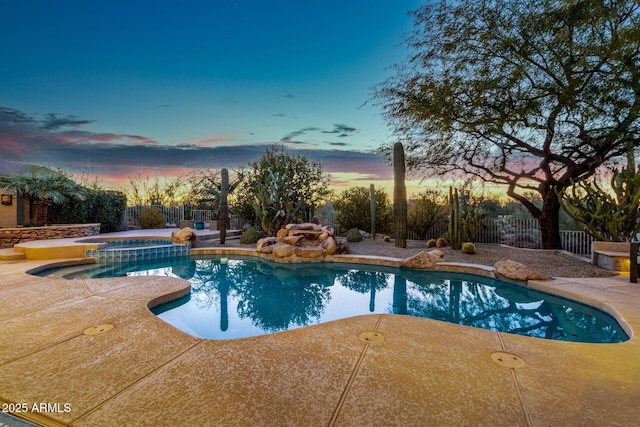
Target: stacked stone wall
(12,236)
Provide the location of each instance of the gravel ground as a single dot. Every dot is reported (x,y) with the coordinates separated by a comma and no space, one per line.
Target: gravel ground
(549,263)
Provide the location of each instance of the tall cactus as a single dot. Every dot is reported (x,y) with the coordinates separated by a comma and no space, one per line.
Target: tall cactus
(275,201)
(399,196)
(608,215)
(372,197)
(455,222)
(224,205)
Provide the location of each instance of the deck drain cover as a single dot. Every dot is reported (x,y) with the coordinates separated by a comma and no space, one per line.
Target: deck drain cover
(507,359)
(371,337)
(98,329)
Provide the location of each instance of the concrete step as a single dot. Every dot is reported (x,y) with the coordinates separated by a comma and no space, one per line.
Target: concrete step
(9,254)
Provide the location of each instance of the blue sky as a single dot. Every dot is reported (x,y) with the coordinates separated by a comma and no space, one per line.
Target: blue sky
(121,87)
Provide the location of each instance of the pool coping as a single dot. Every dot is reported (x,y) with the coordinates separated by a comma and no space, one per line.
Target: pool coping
(621,367)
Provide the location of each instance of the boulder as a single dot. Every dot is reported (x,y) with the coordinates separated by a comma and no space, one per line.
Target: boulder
(264,244)
(185,235)
(342,247)
(329,230)
(330,246)
(282,250)
(309,251)
(516,271)
(441,243)
(292,240)
(423,260)
(282,233)
(309,226)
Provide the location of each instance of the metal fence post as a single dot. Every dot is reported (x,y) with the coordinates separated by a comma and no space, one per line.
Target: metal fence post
(633,262)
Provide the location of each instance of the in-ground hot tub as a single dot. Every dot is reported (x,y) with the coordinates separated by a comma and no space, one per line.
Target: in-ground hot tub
(131,250)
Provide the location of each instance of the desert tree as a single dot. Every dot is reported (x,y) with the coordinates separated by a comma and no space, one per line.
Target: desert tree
(532,95)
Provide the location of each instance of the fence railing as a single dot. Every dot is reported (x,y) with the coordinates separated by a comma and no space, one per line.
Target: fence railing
(201,215)
(173,214)
(517,232)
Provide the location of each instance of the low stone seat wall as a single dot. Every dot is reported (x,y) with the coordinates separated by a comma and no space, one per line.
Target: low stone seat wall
(9,237)
(612,256)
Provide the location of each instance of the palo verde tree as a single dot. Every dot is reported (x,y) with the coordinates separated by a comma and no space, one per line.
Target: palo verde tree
(533,95)
(427,209)
(353,208)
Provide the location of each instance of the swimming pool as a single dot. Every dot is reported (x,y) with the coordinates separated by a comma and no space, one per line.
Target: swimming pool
(247,296)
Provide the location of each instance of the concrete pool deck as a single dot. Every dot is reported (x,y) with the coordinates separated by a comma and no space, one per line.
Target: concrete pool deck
(90,353)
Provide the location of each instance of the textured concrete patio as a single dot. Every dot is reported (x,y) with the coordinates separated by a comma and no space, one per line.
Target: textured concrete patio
(90,353)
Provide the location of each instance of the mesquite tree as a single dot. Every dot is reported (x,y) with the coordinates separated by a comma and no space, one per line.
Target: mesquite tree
(399,196)
(532,95)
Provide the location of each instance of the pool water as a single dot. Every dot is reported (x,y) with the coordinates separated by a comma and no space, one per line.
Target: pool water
(239,298)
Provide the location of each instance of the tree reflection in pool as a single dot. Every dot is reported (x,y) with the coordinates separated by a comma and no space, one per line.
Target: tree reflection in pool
(248,296)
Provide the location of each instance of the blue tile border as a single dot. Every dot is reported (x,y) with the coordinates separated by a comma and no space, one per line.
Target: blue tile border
(138,250)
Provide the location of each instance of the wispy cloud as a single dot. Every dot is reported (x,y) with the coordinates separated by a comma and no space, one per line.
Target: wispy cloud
(343,130)
(292,138)
(339,130)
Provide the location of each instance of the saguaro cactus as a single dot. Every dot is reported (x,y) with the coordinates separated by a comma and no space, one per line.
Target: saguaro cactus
(399,196)
(455,222)
(224,205)
(372,197)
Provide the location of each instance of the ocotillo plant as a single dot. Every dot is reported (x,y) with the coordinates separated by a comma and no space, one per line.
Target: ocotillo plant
(224,205)
(399,196)
(372,197)
(455,226)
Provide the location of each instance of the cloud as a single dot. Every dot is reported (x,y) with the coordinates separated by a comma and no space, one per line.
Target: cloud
(343,130)
(279,115)
(340,130)
(60,141)
(290,138)
(54,122)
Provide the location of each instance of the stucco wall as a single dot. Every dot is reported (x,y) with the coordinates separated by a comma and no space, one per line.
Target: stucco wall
(13,236)
(8,213)
(17,213)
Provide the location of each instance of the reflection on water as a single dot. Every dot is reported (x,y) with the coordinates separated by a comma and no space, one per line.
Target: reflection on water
(248,297)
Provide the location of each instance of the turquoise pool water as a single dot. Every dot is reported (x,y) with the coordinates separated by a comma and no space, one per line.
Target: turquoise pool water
(248,297)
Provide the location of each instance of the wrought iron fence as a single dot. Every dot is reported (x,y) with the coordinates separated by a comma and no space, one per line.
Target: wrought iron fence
(201,215)
(517,232)
(173,214)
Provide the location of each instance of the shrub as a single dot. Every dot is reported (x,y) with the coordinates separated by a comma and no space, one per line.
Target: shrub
(353,208)
(469,248)
(431,243)
(108,209)
(250,236)
(354,235)
(151,218)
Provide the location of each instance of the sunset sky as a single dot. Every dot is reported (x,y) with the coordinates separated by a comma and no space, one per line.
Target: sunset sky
(123,87)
